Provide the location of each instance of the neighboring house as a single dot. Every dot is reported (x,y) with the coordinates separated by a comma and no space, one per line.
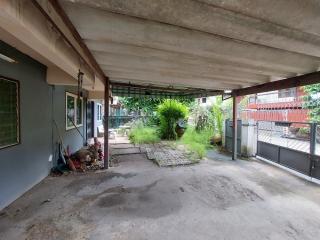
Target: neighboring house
(283,105)
(205,101)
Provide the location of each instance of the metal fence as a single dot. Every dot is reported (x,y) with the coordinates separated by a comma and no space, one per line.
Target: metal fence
(229,135)
(117,121)
(293,144)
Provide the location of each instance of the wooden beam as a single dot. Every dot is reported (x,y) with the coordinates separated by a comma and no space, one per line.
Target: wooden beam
(297,81)
(57,7)
(183,91)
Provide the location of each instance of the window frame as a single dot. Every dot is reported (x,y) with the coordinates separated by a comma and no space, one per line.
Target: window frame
(99,112)
(74,96)
(18,112)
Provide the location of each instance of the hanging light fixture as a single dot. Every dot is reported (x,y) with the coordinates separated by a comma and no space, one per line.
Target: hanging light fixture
(7,59)
(80,82)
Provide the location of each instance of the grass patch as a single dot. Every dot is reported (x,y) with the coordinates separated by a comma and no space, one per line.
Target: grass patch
(197,142)
(141,134)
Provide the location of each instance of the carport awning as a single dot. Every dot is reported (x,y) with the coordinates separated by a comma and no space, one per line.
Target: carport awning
(204,44)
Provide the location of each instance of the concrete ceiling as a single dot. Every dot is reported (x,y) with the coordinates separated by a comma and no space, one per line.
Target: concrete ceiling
(209,44)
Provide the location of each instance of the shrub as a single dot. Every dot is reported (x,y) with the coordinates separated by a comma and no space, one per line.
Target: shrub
(142,134)
(197,141)
(170,111)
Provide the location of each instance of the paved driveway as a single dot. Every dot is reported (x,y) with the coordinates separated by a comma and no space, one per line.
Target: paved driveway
(216,199)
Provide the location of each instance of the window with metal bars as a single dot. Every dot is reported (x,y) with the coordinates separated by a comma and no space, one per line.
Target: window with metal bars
(9,112)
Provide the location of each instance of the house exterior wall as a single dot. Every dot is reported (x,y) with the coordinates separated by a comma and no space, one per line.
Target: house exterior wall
(26,164)
(72,137)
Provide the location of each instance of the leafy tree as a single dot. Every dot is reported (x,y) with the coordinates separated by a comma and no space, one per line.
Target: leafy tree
(146,105)
(312,101)
(201,117)
(217,113)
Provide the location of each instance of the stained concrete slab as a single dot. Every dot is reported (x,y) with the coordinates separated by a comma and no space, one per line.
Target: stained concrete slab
(216,199)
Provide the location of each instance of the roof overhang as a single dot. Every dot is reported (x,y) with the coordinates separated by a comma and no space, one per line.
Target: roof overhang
(186,47)
(206,44)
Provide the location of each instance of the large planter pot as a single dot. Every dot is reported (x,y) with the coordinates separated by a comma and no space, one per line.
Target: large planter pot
(180,131)
(216,139)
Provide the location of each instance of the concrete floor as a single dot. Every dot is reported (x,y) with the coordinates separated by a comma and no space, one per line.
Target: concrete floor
(216,199)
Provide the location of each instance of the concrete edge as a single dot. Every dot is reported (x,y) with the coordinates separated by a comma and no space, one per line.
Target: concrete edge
(300,175)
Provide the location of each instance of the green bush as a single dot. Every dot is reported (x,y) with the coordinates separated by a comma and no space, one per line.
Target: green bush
(197,141)
(140,134)
(170,111)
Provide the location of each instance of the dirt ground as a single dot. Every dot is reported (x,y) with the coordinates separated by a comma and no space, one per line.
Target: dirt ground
(215,199)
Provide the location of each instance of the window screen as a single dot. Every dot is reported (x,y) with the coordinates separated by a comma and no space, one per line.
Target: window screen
(9,112)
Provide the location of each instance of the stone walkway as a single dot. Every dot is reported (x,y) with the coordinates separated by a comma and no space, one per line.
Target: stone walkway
(161,153)
(167,156)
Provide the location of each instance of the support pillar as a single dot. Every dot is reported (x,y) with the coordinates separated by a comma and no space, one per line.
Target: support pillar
(313,142)
(234,128)
(106,123)
(313,134)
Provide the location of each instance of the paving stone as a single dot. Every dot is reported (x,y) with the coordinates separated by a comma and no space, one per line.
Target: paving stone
(122,151)
(122,145)
(165,156)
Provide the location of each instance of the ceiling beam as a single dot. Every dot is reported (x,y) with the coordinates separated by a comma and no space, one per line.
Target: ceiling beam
(205,85)
(298,81)
(300,15)
(217,20)
(139,32)
(189,60)
(155,78)
(112,71)
(147,87)
(125,89)
(57,7)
